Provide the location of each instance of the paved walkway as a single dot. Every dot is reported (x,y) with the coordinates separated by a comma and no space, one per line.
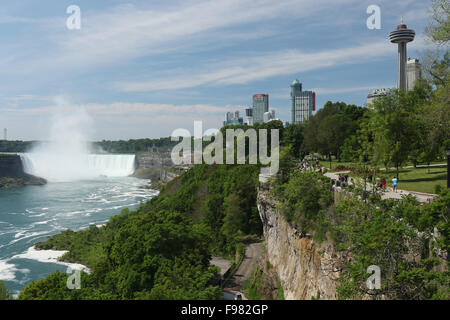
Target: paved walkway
(252,255)
(389,192)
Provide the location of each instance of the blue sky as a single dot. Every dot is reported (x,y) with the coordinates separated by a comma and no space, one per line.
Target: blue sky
(144,68)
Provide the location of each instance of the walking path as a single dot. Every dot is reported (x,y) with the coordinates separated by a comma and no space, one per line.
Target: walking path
(251,257)
(389,193)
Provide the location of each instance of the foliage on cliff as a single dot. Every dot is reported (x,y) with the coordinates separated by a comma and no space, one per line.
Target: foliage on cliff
(161,250)
(4,293)
(409,242)
(305,199)
(223,197)
(264,283)
(147,254)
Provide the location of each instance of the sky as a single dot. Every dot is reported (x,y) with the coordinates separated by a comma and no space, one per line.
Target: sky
(141,69)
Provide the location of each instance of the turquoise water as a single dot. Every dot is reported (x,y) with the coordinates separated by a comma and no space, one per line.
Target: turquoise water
(33,213)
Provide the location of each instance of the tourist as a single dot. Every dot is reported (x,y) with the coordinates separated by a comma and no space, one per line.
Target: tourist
(394,183)
(383,183)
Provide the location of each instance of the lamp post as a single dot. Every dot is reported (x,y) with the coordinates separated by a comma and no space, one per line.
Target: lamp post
(447,152)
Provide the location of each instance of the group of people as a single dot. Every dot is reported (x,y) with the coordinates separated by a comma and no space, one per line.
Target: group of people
(381,184)
(344,180)
(305,165)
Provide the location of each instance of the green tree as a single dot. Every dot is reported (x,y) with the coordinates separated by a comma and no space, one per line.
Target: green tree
(304,201)
(293,135)
(327,131)
(4,293)
(439,28)
(395,128)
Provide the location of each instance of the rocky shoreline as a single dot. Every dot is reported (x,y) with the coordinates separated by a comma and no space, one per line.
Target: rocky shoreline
(12,174)
(26,180)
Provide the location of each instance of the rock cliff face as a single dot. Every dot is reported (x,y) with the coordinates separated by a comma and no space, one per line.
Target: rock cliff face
(12,174)
(11,166)
(153,159)
(306,268)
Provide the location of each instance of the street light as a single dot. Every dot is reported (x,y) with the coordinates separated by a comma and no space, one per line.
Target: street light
(447,152)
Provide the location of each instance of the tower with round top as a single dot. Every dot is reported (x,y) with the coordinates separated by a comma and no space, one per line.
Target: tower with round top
(402,36)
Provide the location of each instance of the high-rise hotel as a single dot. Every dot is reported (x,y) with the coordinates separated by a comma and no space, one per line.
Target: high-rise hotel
(413,72)
(303,103)
(260,106)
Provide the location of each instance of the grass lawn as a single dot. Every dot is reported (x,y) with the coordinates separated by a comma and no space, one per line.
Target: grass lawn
(335,163)
(420,180)
(411,179)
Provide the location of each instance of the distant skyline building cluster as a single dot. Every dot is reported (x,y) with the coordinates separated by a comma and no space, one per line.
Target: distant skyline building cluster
(233,118)
(303,103)
(258,113)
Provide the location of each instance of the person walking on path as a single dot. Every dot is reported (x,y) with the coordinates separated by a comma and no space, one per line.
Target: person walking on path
(394,183)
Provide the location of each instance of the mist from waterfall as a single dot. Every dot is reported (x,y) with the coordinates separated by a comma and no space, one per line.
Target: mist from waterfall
(66,156)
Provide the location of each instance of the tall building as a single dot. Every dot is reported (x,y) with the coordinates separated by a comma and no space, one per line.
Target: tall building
(233,118)
(401,37)
(376,93)
(5,134)
(303,103)
(249,114)
(269,116)
(260,106)
(413,72)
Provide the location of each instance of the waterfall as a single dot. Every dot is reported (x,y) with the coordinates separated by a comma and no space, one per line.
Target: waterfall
(71,167)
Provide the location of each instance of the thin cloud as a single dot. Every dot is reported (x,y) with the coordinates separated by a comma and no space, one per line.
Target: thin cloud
(241,71)
(124,108)
(127,32)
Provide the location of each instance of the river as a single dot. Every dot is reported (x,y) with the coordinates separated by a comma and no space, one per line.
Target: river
(33,213)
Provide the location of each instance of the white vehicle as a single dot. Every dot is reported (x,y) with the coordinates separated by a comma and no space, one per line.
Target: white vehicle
(232,295)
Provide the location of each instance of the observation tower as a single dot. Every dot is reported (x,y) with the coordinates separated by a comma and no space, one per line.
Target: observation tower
(402,36)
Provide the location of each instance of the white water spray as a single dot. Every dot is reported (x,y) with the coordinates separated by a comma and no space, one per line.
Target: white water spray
(67,157)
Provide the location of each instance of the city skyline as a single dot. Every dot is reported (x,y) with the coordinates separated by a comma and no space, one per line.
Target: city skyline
(150,83)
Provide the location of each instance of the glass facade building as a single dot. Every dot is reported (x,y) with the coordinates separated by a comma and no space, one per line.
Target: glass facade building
(260,106)
(303,103)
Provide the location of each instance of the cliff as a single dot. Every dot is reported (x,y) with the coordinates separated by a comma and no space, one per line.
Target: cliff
(306,269)
(11,166)
(12,174)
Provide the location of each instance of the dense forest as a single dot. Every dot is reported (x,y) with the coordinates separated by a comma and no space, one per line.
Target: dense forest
(120,146)
(132,145)
(15,146)
(162,250)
